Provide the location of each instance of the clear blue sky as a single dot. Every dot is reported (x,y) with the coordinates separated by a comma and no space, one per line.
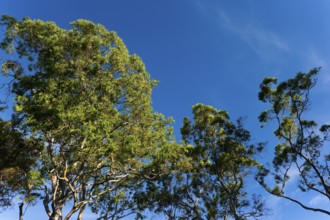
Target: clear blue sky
(214,52)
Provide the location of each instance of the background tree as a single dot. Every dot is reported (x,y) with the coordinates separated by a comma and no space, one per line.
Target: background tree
(17,162)
(213,186)
(301,141)
(87,101)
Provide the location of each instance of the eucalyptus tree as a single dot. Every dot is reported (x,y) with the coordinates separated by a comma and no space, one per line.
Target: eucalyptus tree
(302,142)
(87,102)
(212,183)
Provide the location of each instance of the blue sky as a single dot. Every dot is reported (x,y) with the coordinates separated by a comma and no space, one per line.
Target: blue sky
(214,52)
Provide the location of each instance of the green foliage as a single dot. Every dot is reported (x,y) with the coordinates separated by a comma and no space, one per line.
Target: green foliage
(300,145)
(83,133)
(276,191)
(87,100)
(213,186)
(16,161)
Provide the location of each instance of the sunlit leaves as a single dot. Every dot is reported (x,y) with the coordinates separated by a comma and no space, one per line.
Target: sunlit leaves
(221,161)
(88,100)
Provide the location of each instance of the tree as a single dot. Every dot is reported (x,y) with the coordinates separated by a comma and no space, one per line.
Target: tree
(221,161)
(301,141)
(6,170)
(86,100)
(17,161)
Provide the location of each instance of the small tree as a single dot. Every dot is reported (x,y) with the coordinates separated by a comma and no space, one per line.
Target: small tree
(87,101)
(300,141)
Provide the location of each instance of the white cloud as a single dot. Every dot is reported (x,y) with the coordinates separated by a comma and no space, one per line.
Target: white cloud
(264,42)
(317,200)
(294,174)
(315,59)
(276,208)
(199,4)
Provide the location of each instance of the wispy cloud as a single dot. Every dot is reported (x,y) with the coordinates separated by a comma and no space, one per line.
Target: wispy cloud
(264,42)
(313,58)
(294,174)
(276,209)
(318,200)
(201,7)
(261,40)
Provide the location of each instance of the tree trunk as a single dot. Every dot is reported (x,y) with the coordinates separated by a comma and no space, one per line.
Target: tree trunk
(21,213)
(57,214)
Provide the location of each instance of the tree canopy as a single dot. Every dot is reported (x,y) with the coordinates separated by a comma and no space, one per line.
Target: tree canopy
(83,133)
(86,100)
(222,160)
